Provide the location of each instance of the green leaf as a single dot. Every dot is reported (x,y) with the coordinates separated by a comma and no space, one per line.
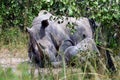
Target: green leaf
(70,12)
(51,2)
(1,20)
(96,2)
(104,0)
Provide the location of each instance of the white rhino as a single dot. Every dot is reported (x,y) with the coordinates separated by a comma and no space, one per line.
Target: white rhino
(49,35)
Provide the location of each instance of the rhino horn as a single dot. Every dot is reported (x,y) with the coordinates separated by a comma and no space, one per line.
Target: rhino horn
(39,48)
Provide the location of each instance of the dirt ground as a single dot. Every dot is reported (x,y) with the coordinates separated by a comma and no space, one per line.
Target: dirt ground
(11,58)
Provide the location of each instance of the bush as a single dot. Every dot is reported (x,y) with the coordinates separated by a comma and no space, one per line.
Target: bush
(20,13)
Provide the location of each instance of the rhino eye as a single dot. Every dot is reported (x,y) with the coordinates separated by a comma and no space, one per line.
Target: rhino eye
(41,46)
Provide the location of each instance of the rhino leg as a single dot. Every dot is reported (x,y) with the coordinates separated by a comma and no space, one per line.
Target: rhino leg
(85,45)
(65,44)
(57,61)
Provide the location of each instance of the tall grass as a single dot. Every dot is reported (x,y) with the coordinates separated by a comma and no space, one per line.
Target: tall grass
(12,38)
(91,69)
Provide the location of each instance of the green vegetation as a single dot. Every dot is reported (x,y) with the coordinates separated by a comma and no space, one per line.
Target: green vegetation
(19,14)
(16,15)
(82,71)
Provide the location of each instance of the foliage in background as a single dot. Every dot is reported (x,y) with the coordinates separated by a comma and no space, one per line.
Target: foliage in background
(20,13)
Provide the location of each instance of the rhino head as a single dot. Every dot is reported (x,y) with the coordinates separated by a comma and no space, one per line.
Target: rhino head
(35,49)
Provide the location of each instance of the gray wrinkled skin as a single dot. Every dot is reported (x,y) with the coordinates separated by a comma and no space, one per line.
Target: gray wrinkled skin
(53,37)
(87,44)
(83,30)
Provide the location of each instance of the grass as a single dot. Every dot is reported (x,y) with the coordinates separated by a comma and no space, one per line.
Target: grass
(13,42)
(83,71)
(27,72)
(15,45)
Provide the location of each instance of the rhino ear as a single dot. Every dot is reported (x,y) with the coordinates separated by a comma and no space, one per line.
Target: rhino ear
(28,29)
(44,23)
